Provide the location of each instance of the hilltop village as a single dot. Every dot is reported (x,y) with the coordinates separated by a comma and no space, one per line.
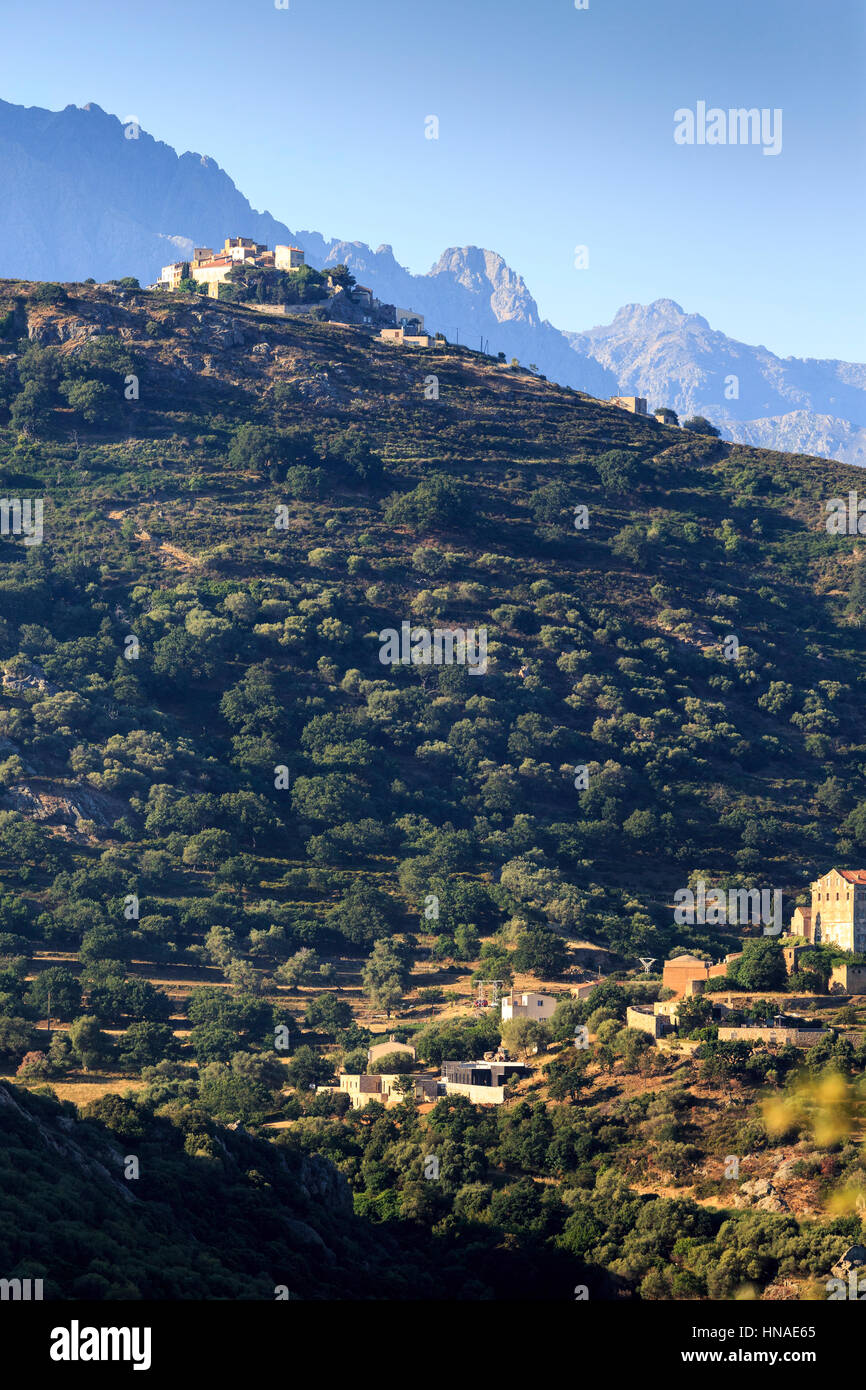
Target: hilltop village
(331,293)
(280,281)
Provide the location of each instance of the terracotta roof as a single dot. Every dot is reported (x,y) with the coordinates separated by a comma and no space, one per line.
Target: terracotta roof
(853,875)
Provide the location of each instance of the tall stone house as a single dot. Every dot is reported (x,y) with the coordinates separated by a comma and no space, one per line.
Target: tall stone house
(837,916)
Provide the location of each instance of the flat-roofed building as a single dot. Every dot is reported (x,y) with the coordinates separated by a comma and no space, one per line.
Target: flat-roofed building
(528,1005)
(387,1088)
(173,274)
(401,337)
(481,1082)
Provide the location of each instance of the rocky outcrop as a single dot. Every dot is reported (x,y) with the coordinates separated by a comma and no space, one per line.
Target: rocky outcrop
(59,1138)
(760,1194)
(29,679)
(60,805)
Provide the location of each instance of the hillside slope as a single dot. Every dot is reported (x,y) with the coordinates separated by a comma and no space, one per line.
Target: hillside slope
(90,201)
(235,842)
(606,645)
(210,1213)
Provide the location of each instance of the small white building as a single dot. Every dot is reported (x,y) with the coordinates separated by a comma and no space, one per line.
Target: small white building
(528,1005)
(401,337)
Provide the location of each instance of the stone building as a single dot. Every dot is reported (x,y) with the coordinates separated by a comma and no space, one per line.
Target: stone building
(646,1020)
(288,258)
(400,337)
(386,1088)
(838,913)
(173,274)
(848,979)
(783,1029)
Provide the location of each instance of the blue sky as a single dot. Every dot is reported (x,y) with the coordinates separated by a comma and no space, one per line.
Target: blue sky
(555,130)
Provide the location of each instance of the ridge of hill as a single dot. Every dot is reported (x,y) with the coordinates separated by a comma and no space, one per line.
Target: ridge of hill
(98,196)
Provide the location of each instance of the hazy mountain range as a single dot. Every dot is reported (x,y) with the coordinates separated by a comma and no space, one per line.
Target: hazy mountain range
(83,200)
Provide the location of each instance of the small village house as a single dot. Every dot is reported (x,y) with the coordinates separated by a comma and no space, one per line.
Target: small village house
(528,1005)
(584,989)
(687,975)
(386,1088)
(401,338)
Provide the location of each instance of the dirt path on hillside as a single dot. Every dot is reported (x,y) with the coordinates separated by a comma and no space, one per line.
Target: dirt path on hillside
(166,549)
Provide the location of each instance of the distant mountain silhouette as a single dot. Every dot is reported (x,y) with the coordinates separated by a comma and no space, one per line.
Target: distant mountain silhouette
(83,200)
(804,405)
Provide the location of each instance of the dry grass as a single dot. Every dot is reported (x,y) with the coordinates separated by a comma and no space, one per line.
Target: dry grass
(87,1088)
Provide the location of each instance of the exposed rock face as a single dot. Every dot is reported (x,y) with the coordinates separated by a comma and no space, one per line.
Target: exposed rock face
(760,1194)
(802,432)
(320,1181)
(854,1258)
(785,1170)
(60,805)
(34,679)
(485,274)
(783,1291)
(59,1138)
(675,358)
(293,1209)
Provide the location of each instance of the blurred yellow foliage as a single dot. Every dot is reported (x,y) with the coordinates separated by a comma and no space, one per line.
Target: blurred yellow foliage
(831,1106)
